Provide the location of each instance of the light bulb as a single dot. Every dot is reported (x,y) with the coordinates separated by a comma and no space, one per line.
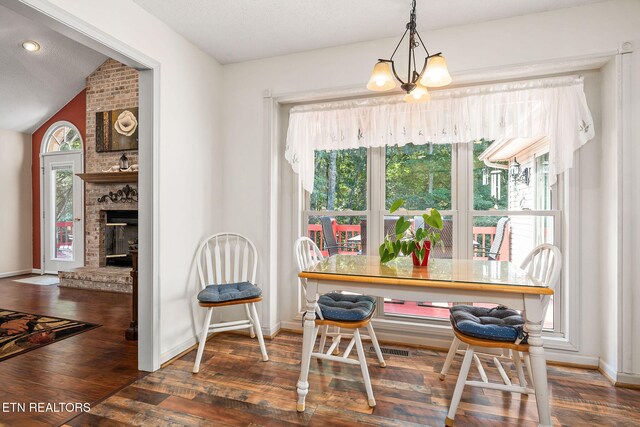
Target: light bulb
(418,94)
(436,73)
(30,46)
(381,77)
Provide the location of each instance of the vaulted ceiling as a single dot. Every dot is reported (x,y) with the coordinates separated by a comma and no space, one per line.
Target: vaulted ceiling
(35,85)
(241,30)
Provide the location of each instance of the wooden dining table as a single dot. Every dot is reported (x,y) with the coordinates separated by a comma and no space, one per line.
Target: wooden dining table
(443,280)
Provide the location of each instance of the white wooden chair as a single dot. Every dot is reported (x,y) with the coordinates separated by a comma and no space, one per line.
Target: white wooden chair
(227,266)
(308,254)
(543,264)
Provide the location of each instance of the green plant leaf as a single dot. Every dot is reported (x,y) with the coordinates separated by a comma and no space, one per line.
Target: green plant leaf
(397,247)
(396,205)
(420,253)
(399,223)
(434,219)
(402,225)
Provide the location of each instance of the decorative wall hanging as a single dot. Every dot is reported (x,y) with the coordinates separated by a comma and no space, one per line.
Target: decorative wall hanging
(126,195)
(117,130)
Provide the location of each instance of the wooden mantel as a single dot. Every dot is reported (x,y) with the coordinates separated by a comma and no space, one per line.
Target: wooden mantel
(109,177)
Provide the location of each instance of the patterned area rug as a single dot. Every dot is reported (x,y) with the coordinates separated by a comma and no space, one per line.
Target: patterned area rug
(22,332)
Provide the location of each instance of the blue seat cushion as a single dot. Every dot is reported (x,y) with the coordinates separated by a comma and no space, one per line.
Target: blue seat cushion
(495,324)
(349,308)
(229,292)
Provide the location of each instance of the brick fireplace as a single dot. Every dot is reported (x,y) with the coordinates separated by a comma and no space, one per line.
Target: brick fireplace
(112,86)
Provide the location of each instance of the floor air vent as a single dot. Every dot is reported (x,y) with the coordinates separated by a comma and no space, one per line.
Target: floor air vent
(391,351)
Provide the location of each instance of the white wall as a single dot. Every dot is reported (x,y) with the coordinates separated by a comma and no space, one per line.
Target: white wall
(15,214)
(189,169)
(607,233)
(549,37)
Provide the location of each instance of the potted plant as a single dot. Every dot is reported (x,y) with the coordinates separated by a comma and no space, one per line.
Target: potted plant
(407,241)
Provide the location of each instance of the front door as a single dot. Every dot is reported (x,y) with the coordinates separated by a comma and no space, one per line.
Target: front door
(63,212)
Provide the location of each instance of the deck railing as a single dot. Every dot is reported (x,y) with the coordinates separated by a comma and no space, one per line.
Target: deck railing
(347,239)
(64,234)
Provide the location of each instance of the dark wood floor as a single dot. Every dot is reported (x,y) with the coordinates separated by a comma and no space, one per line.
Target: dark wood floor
(234,388)
(84,368)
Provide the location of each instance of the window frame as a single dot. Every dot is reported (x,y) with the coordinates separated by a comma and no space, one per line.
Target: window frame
(44,145)
(462,214)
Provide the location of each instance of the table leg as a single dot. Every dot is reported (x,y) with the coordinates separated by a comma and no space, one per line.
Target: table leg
(308,339)
(533,315)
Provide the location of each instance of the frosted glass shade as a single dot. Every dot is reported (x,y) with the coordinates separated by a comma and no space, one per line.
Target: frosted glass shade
(418,94)
(381,78)
(436,74)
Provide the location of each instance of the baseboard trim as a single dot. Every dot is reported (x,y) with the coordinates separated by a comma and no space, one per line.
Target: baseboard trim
(37,271)
(178,351)
(608,371)
(14,273)
(626,380)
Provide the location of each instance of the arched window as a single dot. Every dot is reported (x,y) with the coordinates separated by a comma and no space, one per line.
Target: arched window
(62,136)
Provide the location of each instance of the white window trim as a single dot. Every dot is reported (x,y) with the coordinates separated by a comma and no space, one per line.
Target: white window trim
(49,132)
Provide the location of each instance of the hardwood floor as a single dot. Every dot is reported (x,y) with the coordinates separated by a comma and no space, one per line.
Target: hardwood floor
(234,388)
(84,368)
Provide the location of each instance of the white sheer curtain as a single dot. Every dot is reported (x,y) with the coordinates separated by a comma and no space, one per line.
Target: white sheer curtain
(554,107)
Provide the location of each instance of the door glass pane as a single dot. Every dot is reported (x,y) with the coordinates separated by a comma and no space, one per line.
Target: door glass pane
(340,180)
(62,181)
(420,175)
(420,309)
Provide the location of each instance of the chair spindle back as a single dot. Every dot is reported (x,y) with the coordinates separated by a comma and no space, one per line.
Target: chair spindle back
(227,258)
(307,253)
(543,264)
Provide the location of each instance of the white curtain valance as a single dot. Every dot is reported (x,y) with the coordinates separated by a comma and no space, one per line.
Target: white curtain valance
(554,107)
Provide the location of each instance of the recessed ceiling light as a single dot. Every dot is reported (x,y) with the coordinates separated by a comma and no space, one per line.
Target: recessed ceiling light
(30,46)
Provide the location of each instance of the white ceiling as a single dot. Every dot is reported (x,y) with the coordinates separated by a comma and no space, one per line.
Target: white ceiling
(241,30)
(35,85)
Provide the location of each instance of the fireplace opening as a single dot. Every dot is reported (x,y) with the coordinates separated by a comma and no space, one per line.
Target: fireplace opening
(120,237)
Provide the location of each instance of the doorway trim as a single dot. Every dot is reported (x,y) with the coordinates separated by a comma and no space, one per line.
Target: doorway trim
(78,30)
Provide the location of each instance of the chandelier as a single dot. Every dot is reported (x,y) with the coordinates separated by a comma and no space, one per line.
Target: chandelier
(434,72)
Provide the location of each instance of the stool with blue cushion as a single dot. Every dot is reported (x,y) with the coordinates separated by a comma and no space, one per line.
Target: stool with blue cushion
(227,265)
(498,328)
(343,311)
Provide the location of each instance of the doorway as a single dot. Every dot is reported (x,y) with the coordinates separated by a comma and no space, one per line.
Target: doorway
(149,110)
(62,199)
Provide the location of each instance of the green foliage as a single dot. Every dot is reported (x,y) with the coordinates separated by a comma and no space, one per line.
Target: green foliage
(420,175)
(64,195)
(407,241)
(482,199)
(350,180)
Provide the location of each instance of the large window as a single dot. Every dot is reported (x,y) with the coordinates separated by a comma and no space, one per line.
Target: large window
(495,200)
